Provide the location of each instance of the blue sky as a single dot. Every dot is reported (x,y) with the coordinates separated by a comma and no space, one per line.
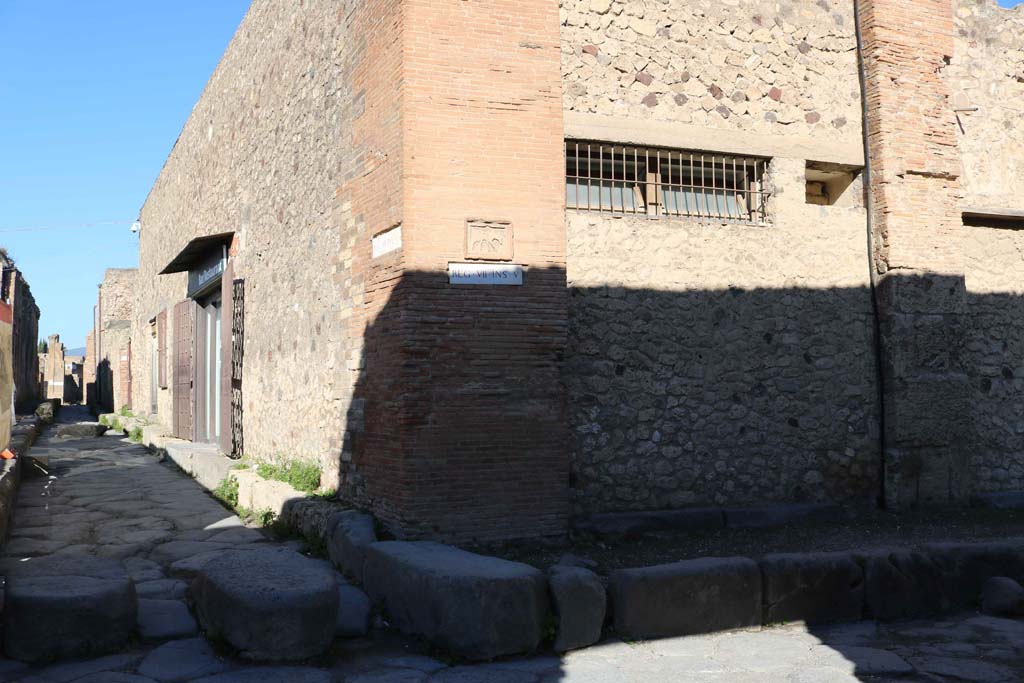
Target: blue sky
(92,97)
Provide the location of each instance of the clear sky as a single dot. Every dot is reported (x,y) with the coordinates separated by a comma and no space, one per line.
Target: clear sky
(92,96)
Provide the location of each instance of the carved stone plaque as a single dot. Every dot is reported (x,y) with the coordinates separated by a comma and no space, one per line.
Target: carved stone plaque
(488,240)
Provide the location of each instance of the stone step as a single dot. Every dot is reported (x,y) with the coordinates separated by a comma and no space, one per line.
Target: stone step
(62,606)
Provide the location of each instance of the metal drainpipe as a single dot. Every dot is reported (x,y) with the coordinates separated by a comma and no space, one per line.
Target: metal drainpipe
(873,275)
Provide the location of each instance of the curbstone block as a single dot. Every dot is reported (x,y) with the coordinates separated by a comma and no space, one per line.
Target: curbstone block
(475,606)
(580,603)
(966,567)
(353,612)
(902,585)
(348,535)
(686,598)
(1002,597)
(812,587)
(781,514)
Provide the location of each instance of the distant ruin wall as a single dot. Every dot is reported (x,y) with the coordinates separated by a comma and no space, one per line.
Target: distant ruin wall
(25,339)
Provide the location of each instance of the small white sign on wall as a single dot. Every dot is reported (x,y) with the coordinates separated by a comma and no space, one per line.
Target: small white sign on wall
(386,242)
(485,274)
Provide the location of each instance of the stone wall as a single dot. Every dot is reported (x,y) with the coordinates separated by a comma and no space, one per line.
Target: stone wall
(53,369)
(114,316)
(89,371)
(761,66)
(987,72)
(713,363)
(25,331)
(263,154)
(994,349)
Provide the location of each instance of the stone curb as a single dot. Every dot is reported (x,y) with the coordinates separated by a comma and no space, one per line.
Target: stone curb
(708,594)
(206,464)
(23,435)
(10,477)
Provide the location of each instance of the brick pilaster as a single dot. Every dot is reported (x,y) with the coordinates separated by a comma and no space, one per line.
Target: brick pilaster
(917,254)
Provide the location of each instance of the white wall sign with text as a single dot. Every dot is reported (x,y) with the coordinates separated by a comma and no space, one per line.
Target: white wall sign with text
(386,242)
(485,274)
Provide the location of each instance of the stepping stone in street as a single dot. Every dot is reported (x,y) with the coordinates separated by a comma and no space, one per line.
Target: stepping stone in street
(81,430)
(67,606)
(269,605)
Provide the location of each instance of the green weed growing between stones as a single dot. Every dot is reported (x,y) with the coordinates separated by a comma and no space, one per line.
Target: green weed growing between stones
(136,437)
(304,476)
(227,492)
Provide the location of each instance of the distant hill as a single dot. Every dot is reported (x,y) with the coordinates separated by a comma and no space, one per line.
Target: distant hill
(80,351)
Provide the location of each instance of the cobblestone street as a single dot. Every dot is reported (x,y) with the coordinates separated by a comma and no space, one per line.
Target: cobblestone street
(108,497)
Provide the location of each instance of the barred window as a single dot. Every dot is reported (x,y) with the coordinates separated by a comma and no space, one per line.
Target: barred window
(658,182)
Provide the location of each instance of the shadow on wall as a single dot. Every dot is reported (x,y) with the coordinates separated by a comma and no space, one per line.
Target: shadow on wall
(72,392)
(480,412)
(456,428)
(103,389)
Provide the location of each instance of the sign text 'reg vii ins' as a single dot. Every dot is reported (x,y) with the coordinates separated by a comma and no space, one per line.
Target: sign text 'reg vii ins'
(485,274)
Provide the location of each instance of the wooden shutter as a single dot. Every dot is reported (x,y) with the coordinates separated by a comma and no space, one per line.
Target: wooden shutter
(184,352)
(161,348)
(237,352)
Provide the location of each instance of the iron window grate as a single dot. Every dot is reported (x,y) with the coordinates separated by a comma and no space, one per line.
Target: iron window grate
(658,182)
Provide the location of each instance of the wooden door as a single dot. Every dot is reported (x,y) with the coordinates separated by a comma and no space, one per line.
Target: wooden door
(183,395)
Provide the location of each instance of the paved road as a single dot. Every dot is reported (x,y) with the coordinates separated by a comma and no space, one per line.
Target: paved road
(967,648)
(109,497)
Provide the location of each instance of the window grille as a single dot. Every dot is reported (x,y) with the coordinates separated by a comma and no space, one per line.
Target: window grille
(657,182)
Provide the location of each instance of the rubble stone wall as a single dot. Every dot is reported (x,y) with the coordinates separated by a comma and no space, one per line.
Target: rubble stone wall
(995,355)
(785,68)
(715,363)
(987,72)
